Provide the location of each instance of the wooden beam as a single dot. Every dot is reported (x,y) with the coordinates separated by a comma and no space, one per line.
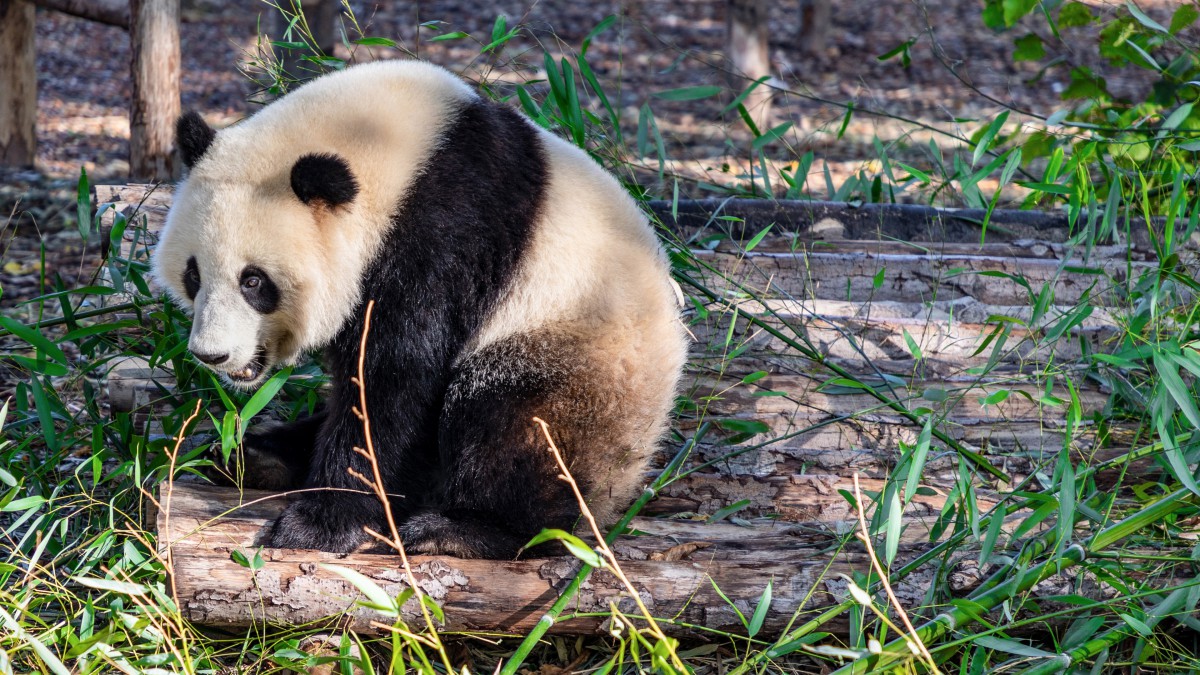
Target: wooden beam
(674,564)
(154,40)
(110,12)
(18,84)
(749,56)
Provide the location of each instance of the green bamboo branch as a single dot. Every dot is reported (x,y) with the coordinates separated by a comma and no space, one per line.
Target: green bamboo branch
(112,309)
(1032,549)
(1168,606)
(1016,583)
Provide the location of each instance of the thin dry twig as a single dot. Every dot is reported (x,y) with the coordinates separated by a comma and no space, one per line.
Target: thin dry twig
(165,504)
(376,484)
(913,637)
(167,557)
(602,545)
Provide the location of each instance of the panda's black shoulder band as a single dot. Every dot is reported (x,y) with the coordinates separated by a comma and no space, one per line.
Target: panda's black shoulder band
(323,178)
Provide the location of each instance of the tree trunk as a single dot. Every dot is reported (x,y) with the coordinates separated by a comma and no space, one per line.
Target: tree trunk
(814,26)
(749,56)
(154,37)
(18,84)
(321,17)
(111,12)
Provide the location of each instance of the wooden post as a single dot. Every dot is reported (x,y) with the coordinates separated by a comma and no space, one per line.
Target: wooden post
(814,26)
(321,17)
(110,12)
(18,84)
(154,38)
(749,56)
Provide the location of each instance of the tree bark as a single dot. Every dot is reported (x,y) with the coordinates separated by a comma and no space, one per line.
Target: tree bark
(111,12)
(154,38)
(749,55)
(814,26)
(321,17)
(18,84)
(673,564)
(670,563)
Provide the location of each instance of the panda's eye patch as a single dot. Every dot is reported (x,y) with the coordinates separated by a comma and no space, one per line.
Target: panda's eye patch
(191,278)
(259,291)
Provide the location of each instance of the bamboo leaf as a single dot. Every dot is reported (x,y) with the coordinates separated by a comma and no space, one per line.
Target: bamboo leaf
(895,524)
(1169,378)
(1143,19)
(916,466)
(576,546)
(727,511)
(377,598)
(264,394)
(760,611)
(83,205)
(1178,463)
(757,239)
(989,135)
(729,602)
(688,93)
(34,339)
(121,587)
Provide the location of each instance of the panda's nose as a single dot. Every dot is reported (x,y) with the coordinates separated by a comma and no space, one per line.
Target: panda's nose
(211,359)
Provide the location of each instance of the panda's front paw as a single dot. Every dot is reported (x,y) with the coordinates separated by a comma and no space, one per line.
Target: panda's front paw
(327,521)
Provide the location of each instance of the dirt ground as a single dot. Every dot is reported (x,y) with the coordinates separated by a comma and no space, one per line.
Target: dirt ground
(960,71)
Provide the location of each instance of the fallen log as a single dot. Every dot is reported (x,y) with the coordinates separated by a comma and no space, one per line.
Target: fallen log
(676,566)
(110,12)
(829,221)
(201,527)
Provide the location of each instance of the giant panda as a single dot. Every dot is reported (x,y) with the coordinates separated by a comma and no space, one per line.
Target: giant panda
(512,278)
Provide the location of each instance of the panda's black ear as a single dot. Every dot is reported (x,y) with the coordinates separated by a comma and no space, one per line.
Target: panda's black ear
(324,178)
(193,135)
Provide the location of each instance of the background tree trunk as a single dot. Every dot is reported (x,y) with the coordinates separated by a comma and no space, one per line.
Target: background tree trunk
(749,55)
(18,84)
(321,16)
(814,26)
(154,37)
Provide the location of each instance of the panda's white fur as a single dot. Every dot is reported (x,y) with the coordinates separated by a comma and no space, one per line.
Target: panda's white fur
(584,327)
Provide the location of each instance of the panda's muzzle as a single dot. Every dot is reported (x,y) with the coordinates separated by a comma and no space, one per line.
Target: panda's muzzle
(252,369)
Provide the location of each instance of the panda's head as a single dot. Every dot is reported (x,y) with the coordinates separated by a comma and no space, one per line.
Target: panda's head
(248,246)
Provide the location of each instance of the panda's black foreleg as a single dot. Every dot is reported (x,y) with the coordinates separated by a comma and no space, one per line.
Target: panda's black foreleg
(335,511)
(502,483)
(273,455)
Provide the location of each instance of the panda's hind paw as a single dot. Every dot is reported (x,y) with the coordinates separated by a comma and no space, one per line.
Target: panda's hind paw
(434,533)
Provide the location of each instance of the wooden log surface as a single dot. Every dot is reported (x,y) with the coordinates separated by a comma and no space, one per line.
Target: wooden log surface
(155,104)
(18,84)
(202,526)
(673,564)
(110,12)
(833,221)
